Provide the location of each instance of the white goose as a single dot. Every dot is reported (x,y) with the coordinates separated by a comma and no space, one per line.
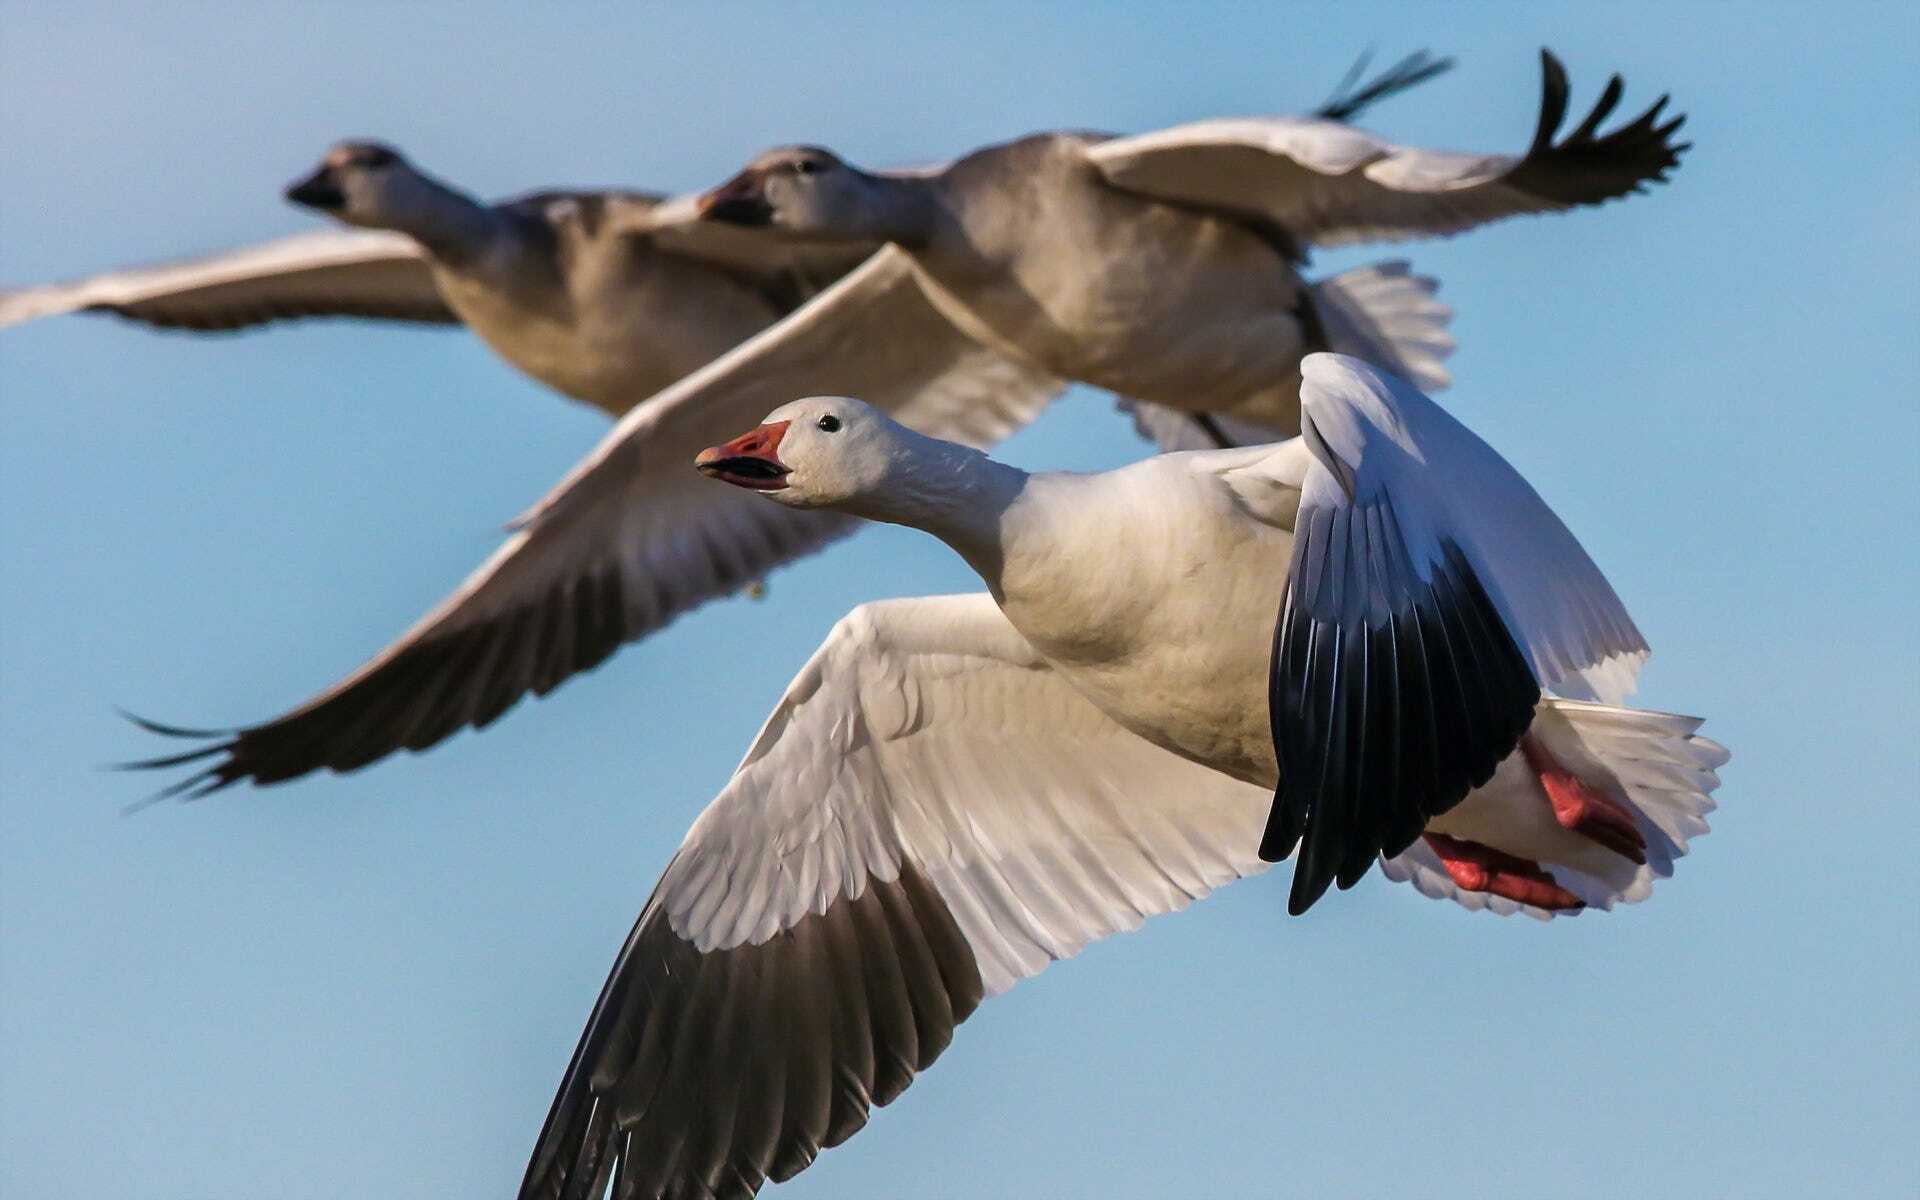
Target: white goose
(957,791)
(1061,255)
(604,296)
(1165,266)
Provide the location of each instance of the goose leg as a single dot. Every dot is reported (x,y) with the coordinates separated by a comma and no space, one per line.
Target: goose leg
(1580,807)
(1477,868)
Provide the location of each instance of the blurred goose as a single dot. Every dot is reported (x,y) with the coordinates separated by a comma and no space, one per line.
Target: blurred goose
(955,792)
(627,542)
(604,296)
(1164,266)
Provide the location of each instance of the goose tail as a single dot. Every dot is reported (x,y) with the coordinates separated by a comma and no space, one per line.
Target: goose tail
(1651,770)
(1387,315)
(1383,314)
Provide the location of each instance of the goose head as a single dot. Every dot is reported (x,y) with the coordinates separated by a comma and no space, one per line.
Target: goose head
(811,193)
(368,183)
(821,452)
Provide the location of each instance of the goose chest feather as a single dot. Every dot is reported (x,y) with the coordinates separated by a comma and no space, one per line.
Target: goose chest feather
(1152,589)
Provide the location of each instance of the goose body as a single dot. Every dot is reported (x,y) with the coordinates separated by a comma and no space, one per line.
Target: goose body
(604,296)
(1165,266)
(1152,588)
(1200,311)
(573,291)
(957,791)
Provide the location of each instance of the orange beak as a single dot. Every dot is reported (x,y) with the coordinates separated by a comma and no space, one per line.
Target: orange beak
(750,461)
(741,200)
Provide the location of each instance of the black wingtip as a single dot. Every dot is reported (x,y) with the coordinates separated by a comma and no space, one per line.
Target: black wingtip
(1382,718)
(1306,892)
(1280,837)
(1585,166)
(193,787)
(164,761)
(173,731)
(1555,91)
(202,783)
(1347,101)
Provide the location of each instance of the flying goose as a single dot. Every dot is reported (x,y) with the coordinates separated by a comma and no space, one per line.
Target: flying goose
(1164,266)
(956,791)
(626,541)
(1426,594)
(604,296)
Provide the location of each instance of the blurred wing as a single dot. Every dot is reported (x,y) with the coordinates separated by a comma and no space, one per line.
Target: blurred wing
(1432,594)
(633,536)
(327,273)
(929,815)
(1328,183)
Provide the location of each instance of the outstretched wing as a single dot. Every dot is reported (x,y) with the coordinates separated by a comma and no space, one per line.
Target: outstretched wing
(633,537)
(1328,183)
(327,273)
(929,815)
(1432,594)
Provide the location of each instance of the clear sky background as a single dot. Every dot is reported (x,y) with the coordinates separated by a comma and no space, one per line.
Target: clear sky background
(370,985)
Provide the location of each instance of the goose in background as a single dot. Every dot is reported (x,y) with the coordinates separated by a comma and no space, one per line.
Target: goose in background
(604,296)
(1164,266)
(629,540)
(956,791)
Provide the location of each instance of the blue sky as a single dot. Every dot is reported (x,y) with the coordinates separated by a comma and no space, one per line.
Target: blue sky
(370,985)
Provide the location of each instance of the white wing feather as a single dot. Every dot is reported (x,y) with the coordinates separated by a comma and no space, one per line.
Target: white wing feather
(1447,483)
(1329,183)
(346,272)
(632,536)
(929,731)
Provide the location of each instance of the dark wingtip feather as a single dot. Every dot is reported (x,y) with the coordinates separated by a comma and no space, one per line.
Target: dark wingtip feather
(164,761)
(1358,775)
(1585,166)
(1411,71)
(202,783)
(193,787)
(174,731)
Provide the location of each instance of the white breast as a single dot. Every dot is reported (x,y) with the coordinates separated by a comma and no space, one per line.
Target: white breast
(1154,592)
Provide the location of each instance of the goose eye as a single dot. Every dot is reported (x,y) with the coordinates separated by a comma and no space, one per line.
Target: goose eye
(805,166)
(829,423)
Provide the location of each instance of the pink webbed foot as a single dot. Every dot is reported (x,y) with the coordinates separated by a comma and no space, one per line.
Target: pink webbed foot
(1477,868)
(1581,807)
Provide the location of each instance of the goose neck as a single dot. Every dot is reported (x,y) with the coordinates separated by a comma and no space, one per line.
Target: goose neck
(960,496)
(904,209)
(453,226)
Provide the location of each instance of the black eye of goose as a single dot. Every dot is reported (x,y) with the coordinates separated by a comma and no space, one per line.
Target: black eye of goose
(829,423)
(805,166)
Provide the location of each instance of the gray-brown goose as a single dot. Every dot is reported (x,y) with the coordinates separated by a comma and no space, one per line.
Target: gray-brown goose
(605,296)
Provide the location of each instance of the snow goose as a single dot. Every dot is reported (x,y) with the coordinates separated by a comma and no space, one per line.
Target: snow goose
(628,541)
(1426,594)
(957,791)
(1164,266)
(604,296)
